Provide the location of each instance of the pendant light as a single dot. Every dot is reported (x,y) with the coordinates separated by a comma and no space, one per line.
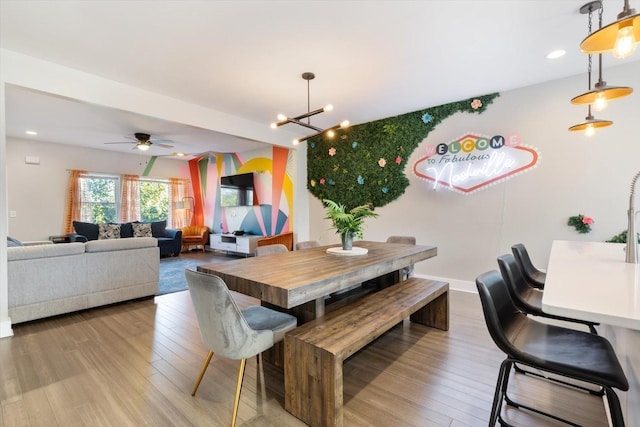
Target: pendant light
(283,120)
(591,123)
(620,37)
(601,94)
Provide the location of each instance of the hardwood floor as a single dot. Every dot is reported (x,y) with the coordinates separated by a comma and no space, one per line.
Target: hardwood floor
(134,364)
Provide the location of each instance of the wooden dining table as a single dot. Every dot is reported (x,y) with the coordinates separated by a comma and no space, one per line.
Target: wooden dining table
(301,281)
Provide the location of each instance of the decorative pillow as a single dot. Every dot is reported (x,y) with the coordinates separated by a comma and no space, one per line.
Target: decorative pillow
(126,230)
(158,228)
(87,229)
(13,242)
(141,230)
(108,231)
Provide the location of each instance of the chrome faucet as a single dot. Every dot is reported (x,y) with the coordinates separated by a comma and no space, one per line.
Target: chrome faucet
(632,234)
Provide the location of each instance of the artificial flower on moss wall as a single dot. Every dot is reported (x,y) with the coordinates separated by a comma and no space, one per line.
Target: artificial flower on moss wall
(364,164)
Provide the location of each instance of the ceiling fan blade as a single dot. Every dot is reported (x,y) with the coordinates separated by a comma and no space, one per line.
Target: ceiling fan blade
(128,142)
(163,145)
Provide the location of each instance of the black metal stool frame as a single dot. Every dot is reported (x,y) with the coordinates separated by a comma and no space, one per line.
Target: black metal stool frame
(501,395)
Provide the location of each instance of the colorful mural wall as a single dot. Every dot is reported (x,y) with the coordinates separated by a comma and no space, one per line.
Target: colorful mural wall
(273,169)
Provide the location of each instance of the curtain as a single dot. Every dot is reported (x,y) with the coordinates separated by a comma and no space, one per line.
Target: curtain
(129,198)
(73,202)
(178,211)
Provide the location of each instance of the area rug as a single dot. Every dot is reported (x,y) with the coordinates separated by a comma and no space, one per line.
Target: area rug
(172,277)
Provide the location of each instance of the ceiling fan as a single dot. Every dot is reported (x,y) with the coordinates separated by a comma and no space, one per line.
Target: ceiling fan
(143,142)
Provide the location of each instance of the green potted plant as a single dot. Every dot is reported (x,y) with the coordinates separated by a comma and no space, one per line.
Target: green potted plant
(348,223)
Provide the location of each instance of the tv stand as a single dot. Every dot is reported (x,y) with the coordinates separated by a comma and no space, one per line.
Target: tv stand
(245,244)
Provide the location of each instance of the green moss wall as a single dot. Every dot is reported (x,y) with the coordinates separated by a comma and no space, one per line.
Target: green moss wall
(364,164)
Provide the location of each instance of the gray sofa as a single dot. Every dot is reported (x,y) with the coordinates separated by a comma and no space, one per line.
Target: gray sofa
(46,280)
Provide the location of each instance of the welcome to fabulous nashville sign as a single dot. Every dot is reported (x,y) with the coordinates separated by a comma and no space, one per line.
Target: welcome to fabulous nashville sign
(473,162)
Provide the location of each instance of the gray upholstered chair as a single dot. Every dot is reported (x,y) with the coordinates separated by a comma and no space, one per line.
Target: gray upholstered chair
(271,249)
(307,244)
(231,332)
(406,272)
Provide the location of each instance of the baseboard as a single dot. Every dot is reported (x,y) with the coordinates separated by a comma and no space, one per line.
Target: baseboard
(5,328)
(455,285)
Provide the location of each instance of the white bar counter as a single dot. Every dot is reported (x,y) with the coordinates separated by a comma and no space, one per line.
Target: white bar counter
(591,281)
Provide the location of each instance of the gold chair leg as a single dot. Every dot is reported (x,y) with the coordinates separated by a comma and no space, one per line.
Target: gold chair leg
(202,371)
(236,401)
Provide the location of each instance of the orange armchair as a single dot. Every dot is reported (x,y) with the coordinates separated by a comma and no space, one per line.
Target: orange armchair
(284,239)
(195,235)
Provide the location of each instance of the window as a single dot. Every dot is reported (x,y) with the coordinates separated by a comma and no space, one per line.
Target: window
(99,203)
(154,200)
(101,194)
(101,198)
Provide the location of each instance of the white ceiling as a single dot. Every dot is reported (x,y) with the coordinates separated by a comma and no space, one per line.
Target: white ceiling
(372,59)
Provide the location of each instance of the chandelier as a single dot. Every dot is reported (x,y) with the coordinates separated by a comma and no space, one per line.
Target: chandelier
(283,120)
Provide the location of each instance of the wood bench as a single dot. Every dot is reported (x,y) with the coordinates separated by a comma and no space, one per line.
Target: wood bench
(315,351)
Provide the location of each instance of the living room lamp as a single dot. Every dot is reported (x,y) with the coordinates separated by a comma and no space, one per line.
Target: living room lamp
(189,205)
(591,123)
(620,37)
(601,94)
(283,120)
(186,204)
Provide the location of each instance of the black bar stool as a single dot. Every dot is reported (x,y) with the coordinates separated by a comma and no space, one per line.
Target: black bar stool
(535,277)
(553,349)
(526,297)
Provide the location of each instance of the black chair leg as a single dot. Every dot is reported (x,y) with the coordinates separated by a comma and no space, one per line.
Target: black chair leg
(615,410)
(498,396)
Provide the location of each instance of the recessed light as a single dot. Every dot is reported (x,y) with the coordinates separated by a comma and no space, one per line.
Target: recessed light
(31,132)
(555,54)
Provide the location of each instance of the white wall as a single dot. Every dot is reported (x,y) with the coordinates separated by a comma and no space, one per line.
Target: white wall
(575,175)
(37,192)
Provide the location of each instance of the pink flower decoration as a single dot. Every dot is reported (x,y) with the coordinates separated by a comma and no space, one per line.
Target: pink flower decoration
(322,181)
(332,151)
(476,103)
(587,220)
(382,162)
(398,160)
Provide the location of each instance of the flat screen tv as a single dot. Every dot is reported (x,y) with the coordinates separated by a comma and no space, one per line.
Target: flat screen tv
(236,190)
